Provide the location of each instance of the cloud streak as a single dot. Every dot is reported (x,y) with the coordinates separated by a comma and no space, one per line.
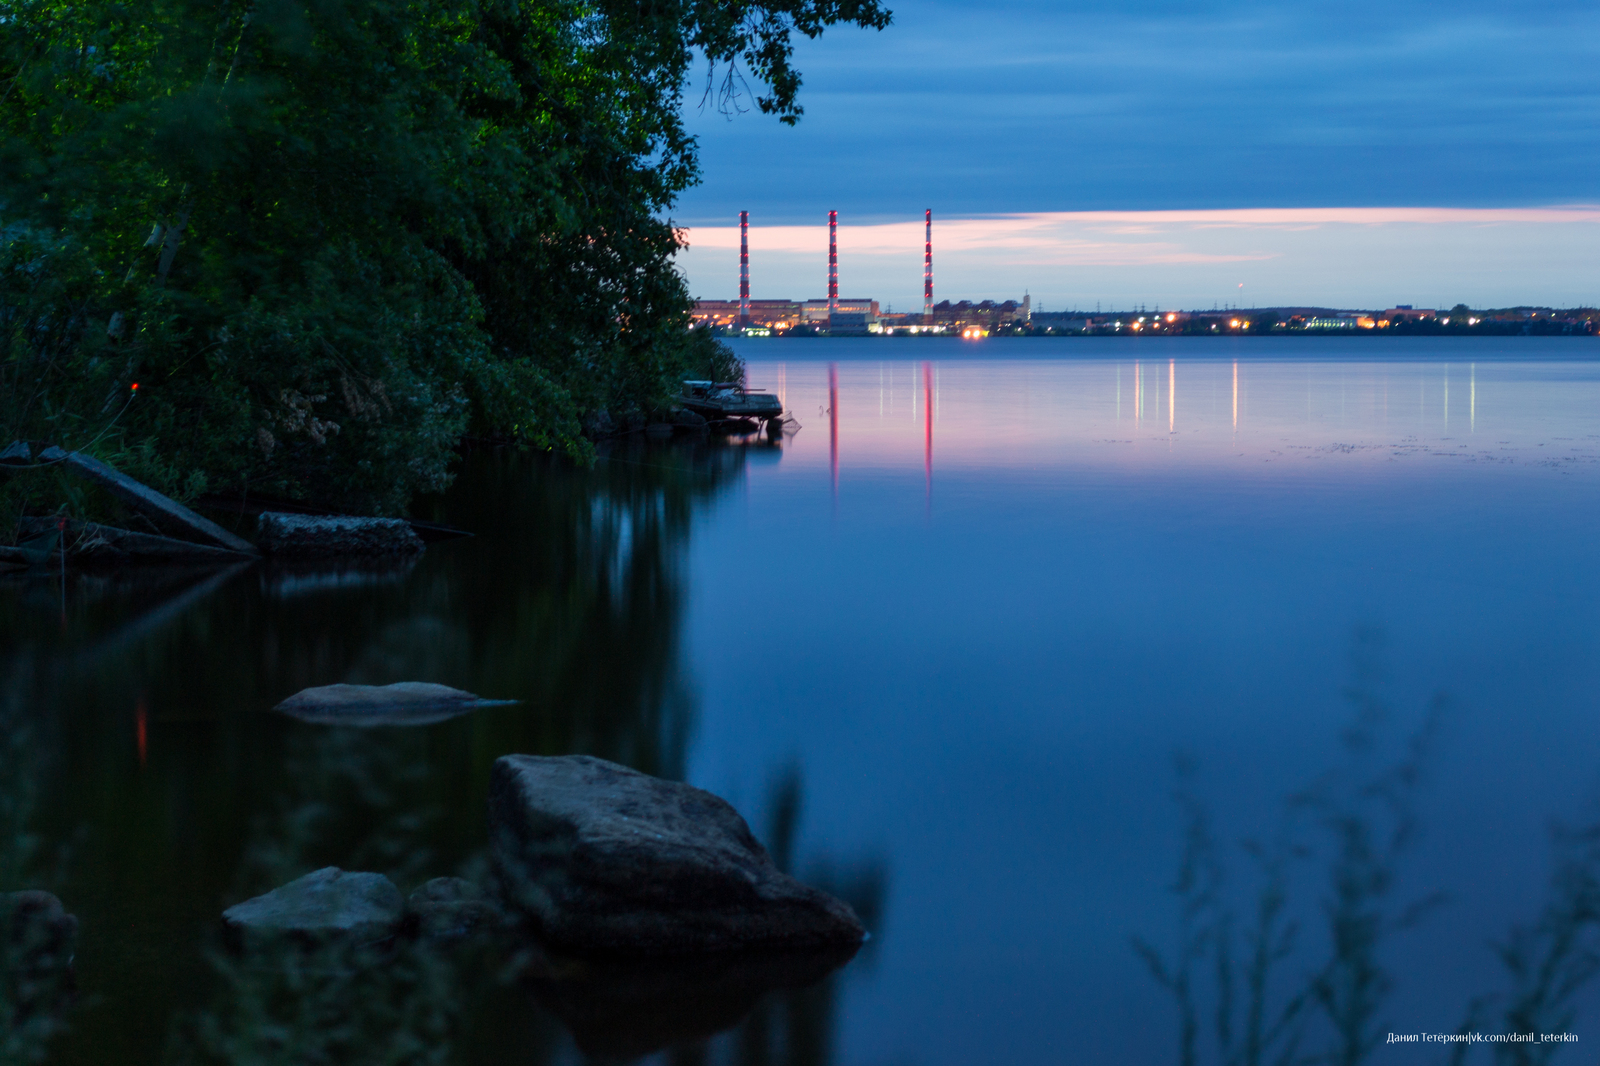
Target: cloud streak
(1341,256)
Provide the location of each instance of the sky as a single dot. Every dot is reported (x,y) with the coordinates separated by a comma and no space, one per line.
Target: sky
(1013,118)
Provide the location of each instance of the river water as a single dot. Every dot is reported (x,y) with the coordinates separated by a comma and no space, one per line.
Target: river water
(1071,664)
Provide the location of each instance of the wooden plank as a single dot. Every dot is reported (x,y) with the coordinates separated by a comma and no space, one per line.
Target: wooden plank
(89,542)
(146,500)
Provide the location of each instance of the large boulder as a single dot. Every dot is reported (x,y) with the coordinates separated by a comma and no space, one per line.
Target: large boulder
(300,536)
(603,858)
(403,703)
(328,905)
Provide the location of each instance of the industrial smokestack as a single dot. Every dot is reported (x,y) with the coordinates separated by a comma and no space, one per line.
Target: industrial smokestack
(927,268)
(744,269)
(833,263)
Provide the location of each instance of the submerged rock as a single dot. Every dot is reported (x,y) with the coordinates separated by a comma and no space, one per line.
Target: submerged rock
(326,905)
(603,858)
(403,703)
(450,908)
(37,942)
(303,536)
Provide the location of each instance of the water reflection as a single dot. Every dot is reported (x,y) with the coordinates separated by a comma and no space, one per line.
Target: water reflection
(37,935)
(796,1024)
(140,737)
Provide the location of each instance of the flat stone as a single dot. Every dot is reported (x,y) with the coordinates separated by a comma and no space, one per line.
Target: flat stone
(16,452)
(320,536)
(403,703)
(601,858)
(451,908)
(164,510)
(326,905)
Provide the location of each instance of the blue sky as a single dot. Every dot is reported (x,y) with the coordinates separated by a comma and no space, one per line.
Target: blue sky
(1011,108)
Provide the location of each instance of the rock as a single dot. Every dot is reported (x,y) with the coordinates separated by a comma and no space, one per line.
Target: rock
(689,419)
(162,510)
(37,941)
(38,929)
(603,858)
(403,703)
(450,908)
(92,543)
(320,536)
(624,1010)
(323,906)
(16,453)
(658,430)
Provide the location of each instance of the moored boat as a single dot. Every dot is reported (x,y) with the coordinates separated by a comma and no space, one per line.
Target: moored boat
(719,400)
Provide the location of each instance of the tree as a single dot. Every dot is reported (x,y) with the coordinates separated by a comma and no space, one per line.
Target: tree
(328,237)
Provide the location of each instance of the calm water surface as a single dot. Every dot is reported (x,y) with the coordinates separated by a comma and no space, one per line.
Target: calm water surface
(991,646)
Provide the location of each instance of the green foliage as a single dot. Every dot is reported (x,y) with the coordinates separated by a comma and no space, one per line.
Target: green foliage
(328,237)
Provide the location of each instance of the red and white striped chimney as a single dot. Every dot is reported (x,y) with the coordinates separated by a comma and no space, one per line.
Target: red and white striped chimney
(927,267)
(744,269)
(833,262)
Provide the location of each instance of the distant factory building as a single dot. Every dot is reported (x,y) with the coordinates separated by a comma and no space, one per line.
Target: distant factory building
(852,316)
(985,314)
(1406,313)
(772,314)
(1333,322)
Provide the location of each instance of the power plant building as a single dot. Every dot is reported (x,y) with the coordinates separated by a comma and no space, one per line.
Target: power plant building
(852,316)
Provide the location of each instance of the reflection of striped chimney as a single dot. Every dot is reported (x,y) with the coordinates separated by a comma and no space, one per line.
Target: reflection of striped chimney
(833,262)
(927,265)
(744,268)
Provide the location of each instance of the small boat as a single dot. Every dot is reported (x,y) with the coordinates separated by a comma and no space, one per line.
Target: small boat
(719,400)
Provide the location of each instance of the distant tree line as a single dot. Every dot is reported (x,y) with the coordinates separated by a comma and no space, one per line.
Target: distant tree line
(302,247)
